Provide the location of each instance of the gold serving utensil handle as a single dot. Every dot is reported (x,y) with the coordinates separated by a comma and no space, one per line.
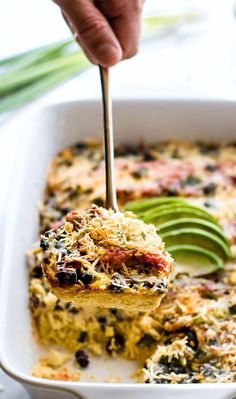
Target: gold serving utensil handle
(111,199)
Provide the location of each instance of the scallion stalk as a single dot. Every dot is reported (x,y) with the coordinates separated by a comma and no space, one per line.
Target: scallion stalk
(16,80)
(40,87)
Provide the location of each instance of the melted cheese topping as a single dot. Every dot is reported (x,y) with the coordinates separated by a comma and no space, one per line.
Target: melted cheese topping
(109,245)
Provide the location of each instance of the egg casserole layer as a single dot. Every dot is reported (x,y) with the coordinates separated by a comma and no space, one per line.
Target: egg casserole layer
(192,335)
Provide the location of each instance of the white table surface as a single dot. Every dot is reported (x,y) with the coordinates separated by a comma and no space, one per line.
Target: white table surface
(197,61)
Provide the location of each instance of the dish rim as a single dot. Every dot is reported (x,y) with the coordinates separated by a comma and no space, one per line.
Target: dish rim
(27,379)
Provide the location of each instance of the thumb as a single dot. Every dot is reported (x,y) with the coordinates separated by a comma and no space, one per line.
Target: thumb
(92,31)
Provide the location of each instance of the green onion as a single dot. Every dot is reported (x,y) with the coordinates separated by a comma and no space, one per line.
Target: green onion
(13,80)
(40,87)
(35,56)
(25,76)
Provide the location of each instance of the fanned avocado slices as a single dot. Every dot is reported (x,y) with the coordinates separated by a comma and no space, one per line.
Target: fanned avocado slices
(162,215)
(192,235)
(192,222)
(193,260)
(147,204)
(199,237)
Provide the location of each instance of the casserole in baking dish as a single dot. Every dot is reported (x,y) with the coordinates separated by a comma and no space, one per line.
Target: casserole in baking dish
(58,127)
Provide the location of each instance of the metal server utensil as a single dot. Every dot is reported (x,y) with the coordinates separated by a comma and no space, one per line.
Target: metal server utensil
(111,200)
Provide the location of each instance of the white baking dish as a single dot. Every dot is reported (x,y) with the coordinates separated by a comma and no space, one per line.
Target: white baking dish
(46,132)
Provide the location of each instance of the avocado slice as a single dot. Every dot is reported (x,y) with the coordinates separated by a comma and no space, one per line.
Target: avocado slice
(146,204)
(194,261)
(192,222)
(166,207)
(174,212)
(198,237)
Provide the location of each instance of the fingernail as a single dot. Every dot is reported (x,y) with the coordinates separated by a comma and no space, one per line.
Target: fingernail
(108,54)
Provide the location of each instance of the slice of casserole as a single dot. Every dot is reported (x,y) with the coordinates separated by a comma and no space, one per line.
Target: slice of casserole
(104,258)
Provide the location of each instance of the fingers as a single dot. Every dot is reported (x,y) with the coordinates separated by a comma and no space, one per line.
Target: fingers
(125,19)
(92,30)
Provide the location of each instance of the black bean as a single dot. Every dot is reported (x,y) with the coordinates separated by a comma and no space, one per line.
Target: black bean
(207,294)
(190,181)
(87,278)
(60,264)
(206,370)
(209,188)
(119,341)
(200,354)
(116,283)
(122,150)
(168,341)
(146,341)
(108,346)
(66,162)
(147,156)
(83,336)
(102,321)
(175,154)
(208,204)
(44,244)
(232,309)
(171,192)
(66,277)
(98,201)
(73,194)
(161,381)
(175,362)
(59,305)
(34,302)
(164,360)
(119,338)
(161,286)
(148,284)
(118,313)
(192,339)
(73,310)
(178,370)
(37,272)
(141,172)
(81,146)
(64,212)
(174,365)
(210,167)
(57,245)
(213,342)
(208,148)
(115,287)
(82,358)
(147,266)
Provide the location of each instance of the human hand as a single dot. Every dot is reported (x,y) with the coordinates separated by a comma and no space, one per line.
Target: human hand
(107,30)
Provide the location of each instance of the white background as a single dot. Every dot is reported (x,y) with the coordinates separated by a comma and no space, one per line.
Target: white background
(198,60)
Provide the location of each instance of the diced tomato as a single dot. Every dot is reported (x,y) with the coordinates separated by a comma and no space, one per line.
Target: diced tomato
(157,261)
(116,257)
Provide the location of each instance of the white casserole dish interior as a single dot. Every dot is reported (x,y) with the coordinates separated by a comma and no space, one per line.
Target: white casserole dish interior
(48,131)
